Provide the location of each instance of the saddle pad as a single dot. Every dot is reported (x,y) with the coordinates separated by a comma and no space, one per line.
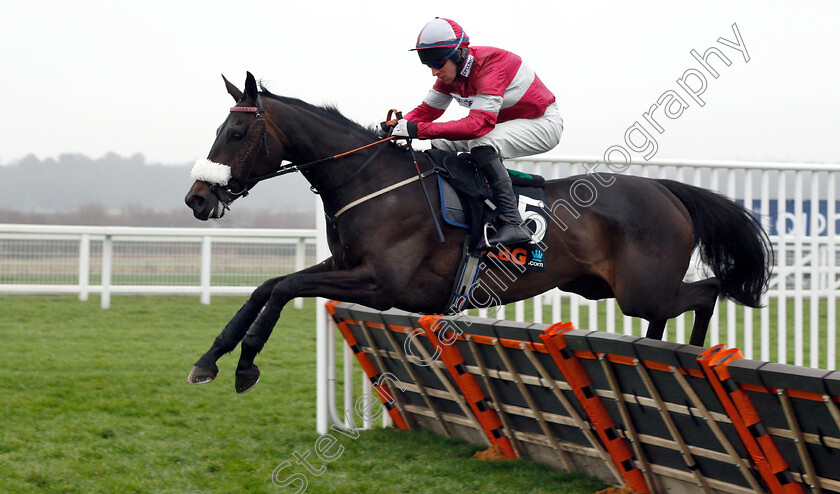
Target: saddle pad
(530,199)
(451,207)
(452,204)
(535,214)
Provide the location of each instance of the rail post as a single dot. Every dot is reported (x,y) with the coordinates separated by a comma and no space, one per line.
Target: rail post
(84,267)
(107,259)
(206,250)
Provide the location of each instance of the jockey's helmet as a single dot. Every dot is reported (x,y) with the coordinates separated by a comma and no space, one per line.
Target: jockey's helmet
(439,40)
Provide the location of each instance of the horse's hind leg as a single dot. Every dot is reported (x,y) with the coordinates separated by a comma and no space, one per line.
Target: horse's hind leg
(658,307)
(205,369)
(656,329)
(701,297)
(706,293)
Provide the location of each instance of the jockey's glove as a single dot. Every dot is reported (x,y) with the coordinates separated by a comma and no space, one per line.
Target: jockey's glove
(383,129)
(405,129)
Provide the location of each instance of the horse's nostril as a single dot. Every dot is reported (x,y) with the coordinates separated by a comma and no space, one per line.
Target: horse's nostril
(195,201)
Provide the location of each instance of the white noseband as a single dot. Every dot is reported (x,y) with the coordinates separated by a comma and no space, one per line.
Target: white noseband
(210,172)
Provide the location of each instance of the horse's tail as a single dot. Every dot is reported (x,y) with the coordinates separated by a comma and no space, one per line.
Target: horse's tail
(732,242)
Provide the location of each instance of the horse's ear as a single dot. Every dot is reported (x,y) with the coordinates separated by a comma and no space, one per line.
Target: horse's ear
(232,90)
(250,86)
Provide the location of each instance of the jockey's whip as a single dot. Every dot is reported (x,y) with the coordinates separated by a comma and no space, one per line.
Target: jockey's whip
(422,183)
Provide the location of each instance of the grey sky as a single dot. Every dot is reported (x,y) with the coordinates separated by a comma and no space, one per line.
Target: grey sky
(144,77)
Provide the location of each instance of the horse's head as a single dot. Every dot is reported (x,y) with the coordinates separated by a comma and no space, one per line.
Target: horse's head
(243,152)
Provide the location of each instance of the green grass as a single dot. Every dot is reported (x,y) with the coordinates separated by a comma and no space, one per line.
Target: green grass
(96,400)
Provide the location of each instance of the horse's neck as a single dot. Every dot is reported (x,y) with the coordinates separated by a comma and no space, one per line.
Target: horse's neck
(313,137)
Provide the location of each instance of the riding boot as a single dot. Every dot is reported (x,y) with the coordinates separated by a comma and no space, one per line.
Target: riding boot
(510,229)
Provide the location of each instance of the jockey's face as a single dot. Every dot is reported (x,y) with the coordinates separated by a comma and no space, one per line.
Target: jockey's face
(447,73)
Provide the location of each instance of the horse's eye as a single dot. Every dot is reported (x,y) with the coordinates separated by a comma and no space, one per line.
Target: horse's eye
(235,136)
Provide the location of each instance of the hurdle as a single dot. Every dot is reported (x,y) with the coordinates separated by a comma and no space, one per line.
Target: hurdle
(655,416)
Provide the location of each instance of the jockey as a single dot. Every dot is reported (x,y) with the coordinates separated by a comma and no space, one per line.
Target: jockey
(511,113)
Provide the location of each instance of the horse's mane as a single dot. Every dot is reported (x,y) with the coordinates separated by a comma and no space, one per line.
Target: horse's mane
(327,111)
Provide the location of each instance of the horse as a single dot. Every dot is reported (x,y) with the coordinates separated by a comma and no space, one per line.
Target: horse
(622,237)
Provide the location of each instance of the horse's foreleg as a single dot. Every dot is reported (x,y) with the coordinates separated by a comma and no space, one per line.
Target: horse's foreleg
(356,285)
(205,369)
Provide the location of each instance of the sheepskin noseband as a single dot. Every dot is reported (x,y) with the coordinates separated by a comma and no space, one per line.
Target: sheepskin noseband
(210,172)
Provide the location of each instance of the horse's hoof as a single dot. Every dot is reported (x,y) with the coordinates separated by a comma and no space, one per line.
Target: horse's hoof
(202,375)
(247,379)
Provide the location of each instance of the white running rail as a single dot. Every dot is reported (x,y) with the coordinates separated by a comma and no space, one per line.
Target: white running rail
(121,260)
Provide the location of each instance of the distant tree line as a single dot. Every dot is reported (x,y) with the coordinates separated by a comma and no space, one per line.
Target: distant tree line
(77,190)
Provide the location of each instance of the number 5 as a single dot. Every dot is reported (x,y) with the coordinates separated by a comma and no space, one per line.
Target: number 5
(541,225)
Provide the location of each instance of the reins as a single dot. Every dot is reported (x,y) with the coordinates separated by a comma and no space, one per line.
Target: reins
(249,183)
(292,168)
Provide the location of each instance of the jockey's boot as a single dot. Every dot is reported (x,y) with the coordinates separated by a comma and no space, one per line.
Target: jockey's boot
(509,227)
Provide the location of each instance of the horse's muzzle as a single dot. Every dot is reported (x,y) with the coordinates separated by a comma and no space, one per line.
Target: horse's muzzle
(203,202)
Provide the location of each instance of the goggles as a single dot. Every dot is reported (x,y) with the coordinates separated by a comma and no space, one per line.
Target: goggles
(438,64)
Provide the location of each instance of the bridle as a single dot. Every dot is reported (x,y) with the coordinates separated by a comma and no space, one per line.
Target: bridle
(225,194)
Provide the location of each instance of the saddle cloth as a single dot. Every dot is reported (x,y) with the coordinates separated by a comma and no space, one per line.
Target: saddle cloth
(466,199)
(466,202)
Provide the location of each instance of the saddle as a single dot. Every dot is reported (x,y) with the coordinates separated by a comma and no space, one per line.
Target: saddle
(466,202)
(465,196)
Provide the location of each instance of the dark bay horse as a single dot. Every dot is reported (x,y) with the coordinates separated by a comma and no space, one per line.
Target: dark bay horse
(619,236)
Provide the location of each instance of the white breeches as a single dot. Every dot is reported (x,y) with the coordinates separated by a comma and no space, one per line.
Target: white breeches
(515,138)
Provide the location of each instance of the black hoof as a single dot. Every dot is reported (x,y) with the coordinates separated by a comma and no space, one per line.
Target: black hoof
(247,378)
(202,375)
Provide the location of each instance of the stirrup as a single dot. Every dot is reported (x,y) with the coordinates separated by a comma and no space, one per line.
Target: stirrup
(485,241)
(484,244)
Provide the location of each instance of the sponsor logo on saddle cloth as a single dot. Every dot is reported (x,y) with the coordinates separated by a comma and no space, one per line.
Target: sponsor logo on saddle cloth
(526,257)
